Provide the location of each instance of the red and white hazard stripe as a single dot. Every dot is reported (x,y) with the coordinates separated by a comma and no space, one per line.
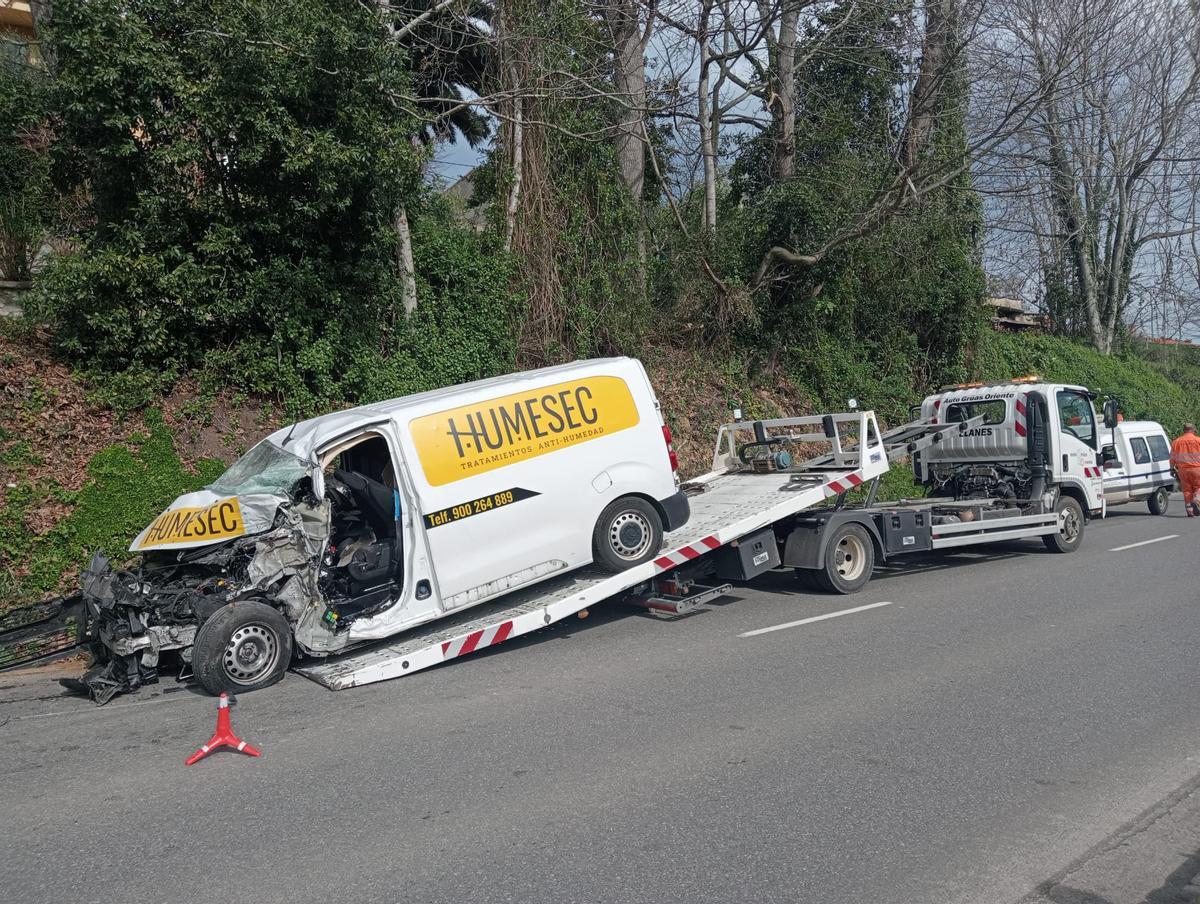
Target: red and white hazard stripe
(1093,472)
(686,553)
(1019,423)
(476,640)
(843,484)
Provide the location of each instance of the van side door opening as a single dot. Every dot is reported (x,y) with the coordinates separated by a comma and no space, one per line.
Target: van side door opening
(362,568)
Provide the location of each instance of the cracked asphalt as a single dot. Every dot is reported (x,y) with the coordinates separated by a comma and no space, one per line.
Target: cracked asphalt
(1006,727)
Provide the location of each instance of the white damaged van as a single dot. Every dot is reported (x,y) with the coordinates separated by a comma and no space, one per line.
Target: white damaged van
(359,524)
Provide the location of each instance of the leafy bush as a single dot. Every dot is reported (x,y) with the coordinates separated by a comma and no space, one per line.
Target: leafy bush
(26,196)
(239,187)
(1141,387)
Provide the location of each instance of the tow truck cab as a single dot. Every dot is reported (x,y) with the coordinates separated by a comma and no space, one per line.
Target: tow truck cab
(1033,438)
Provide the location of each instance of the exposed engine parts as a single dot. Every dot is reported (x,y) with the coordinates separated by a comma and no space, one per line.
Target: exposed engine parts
(136,616)
(977,481)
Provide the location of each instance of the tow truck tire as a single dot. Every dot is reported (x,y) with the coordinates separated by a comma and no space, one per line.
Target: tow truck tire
(849,560)
(243,646)
(1158,501)
(1070,527)
(629,532)
(806,578)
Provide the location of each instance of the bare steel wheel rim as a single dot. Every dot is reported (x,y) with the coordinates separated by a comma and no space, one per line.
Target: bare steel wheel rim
(251,654)
(850,557)
(1068,524)
(629,535)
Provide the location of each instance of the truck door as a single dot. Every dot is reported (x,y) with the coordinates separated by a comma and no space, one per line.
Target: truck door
(1078,443)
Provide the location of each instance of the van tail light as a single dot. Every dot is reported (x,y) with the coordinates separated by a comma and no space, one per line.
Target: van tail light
(670,448)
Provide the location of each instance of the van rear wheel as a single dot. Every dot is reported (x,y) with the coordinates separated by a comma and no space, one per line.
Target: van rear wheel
(1158,501)
(628,533)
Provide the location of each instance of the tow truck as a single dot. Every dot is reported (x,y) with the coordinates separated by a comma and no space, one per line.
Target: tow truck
(999,462)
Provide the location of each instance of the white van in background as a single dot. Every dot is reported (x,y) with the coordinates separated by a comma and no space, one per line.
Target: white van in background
(1136,458)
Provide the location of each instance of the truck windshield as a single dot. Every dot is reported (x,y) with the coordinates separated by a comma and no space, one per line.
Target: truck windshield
(264,469)
(1076,416)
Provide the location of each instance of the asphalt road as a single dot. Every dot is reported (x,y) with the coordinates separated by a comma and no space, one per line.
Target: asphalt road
(1006,713)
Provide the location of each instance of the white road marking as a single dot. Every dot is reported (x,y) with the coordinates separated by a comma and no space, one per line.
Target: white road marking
(809,621)
(1143,543)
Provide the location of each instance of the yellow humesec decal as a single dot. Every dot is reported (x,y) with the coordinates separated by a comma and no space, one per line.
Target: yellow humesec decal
(219,521)
(478,438)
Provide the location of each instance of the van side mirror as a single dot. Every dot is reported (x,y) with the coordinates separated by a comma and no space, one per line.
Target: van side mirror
(1110,413)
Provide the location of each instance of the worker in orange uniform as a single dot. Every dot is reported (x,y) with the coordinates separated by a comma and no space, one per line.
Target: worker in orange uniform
(1185,462)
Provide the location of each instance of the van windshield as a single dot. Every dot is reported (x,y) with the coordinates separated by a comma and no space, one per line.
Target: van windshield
(264,469)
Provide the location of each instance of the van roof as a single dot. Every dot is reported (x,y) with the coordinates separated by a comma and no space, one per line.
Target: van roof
(303,437)
(1141,427)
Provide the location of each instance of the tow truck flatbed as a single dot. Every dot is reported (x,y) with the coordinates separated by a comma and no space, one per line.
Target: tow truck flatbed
(725,506)
(744,498)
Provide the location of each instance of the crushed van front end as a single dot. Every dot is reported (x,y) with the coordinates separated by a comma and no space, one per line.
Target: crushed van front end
(144,621)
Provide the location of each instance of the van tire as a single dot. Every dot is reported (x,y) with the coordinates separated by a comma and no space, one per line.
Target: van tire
(1158,501)
(1070,526)
(244,646)
(848,562)
(628,533)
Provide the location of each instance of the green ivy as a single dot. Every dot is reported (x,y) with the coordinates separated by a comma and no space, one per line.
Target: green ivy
(127,485)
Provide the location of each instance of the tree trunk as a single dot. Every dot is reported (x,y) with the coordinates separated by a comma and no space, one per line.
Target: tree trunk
(785,92)
(705,121)
(937,53)
(404,261)
(518,166)
(629,79)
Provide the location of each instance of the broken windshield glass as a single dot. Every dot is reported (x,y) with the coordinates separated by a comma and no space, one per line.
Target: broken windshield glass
(264,469)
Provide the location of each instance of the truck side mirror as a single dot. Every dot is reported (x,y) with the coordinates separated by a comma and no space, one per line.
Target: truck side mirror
(1110,413)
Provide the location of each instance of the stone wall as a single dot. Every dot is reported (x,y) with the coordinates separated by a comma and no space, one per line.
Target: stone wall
(11,295)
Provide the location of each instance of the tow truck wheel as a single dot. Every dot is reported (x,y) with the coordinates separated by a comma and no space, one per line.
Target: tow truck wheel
(1158,501)
(242,647)
(1070,527)
(628,533)
(849,560)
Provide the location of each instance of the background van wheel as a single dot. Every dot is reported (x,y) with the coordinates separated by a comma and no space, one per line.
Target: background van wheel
(242,647)
(1070,527)
(849,560)
(628,533)
(1158,501)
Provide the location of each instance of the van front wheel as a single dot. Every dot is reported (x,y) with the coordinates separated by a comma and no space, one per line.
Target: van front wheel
(1158,501)
(629,533)
(243,646)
